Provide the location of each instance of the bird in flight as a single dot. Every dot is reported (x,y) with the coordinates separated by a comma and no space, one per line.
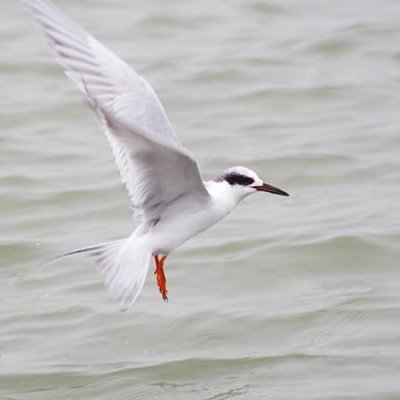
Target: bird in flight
(161,176)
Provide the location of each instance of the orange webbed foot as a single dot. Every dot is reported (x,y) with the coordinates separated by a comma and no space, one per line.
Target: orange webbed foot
(160,276)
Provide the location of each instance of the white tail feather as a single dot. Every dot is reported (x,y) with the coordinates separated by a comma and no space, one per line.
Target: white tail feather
(123,264)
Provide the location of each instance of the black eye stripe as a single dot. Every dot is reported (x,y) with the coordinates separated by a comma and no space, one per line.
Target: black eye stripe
(237,179)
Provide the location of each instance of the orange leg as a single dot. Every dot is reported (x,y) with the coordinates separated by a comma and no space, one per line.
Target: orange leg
(160,276)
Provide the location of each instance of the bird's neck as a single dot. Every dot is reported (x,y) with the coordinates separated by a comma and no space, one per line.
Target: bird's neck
(222,195)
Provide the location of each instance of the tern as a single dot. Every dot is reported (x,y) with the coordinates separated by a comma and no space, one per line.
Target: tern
(161,176)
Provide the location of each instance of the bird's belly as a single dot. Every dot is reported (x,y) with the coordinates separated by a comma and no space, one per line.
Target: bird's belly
(170,233)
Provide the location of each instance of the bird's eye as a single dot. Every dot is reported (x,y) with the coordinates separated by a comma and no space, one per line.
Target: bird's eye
(238,179)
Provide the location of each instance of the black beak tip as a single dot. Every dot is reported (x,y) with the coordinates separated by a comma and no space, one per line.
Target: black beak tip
(280,193)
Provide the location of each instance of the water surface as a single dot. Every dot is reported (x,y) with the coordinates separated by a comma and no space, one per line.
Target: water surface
(293,298)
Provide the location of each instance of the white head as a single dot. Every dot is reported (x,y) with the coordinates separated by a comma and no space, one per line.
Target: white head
(239,182)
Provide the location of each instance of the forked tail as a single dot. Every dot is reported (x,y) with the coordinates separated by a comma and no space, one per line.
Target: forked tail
(123,264)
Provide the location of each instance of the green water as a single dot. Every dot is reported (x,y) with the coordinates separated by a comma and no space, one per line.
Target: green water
(293,298)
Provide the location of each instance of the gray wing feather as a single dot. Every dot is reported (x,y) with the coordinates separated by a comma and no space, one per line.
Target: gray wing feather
(153,164)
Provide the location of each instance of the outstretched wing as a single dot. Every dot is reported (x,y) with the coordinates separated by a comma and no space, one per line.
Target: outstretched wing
(153,164)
